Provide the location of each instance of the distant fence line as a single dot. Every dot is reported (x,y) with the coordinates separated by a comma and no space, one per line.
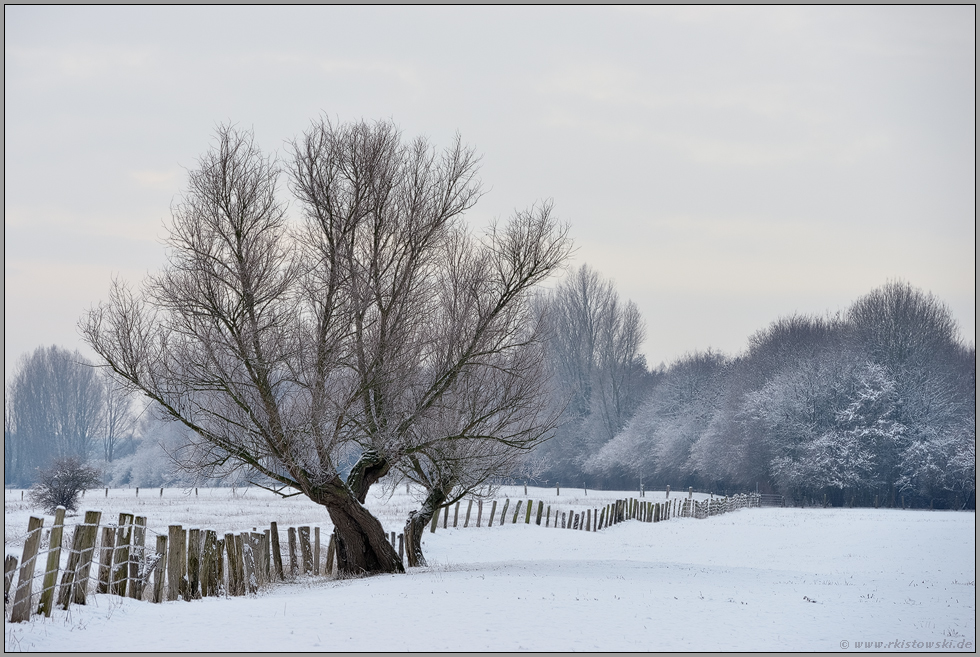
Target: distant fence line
(188,564)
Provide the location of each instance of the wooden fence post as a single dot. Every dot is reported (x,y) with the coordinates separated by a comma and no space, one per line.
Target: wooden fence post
(184,585)
(435,521)
(105,559)
(9,567)
(527,515)
(479,512)
(159,568)
(306,549)
(456,515)
(209,565)
(248,559)
(517,512)
(277,552)
(173,562)
(293,560)
(194,562)
(445,522)
(401,547)
(22,595)
(220,557)
(77,579)
(547,520)
(493,512)
(332,548)
(316,549)
(137,558)
(46,604)
(537,520)
(503,512)
(234,583)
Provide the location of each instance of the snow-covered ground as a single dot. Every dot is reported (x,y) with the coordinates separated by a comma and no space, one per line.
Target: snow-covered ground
(755,579)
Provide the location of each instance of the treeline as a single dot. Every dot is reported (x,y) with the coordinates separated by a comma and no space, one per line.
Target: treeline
(875,403)
(58,405)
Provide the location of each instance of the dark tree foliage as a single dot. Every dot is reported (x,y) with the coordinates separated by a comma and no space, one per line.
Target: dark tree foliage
(63,482)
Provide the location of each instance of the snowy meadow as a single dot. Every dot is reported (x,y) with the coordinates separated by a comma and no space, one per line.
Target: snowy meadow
(754,579)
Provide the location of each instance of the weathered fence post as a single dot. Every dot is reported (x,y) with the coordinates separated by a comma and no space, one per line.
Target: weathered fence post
(401,547)
(46,604)
(503,512)
(137,558)
(527,514)
(517,512)
(277,552)
(174,572)
(469,508)
(332,548)
(209,565)
(184,585)
(221,567)
(233,579)
(74,583)
(248,559)
(194,562)
(306,549)
(479,512)
(456,515)
(537,520)
(293,561)
(159,567)
(105,559)
(493,512)
(435,521)
(445,522)
(316,549)
(22,595)
(9,566)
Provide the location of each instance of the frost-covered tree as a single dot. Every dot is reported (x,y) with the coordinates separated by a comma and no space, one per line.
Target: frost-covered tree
(656,444)
(599,377)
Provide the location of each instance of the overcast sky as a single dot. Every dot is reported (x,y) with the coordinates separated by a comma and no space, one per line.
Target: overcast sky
(723,166)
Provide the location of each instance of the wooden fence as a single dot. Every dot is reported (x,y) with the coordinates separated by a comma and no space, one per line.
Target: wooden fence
(182,564)
(596,518)
(188,564)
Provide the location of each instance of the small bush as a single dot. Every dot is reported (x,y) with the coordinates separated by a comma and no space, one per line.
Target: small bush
(62,483)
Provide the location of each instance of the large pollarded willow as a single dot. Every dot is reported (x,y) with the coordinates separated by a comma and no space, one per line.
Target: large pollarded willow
(379,326)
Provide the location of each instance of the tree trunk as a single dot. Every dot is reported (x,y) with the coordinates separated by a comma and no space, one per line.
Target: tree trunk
(416,524)
(370,467)
(362,544)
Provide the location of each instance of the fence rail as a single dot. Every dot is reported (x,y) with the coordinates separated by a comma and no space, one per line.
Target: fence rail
(188,564)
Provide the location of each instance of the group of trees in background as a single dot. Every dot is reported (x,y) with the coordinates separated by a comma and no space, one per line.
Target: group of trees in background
(878,403)
(58,406)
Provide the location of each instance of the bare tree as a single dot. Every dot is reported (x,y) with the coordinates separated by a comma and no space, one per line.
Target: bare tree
(287,351)
(599,375)
(445,371)
(118,419)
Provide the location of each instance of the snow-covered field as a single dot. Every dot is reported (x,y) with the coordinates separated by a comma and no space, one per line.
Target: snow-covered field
(755,579)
